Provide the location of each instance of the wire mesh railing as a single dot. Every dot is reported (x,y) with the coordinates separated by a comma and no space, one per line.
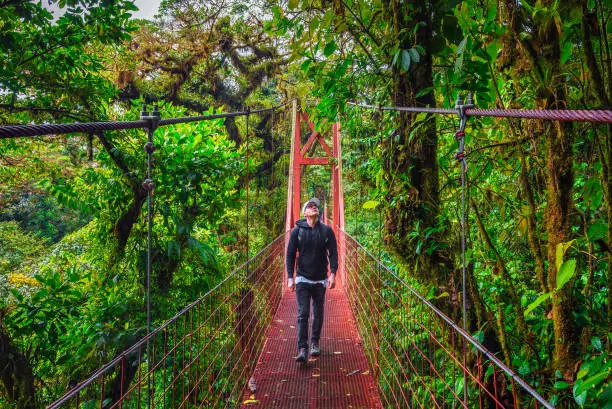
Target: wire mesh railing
(420,358)
(202,356)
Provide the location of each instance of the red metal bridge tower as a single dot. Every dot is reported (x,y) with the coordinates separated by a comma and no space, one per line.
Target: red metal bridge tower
(332,157)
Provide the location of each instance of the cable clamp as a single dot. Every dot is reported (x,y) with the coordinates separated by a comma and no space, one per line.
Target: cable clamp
(153,118)
(149,147)
(147,185)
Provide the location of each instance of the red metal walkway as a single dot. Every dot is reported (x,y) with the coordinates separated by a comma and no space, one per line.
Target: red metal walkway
(339,378)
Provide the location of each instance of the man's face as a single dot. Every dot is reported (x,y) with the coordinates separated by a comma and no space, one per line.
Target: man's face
(311,210)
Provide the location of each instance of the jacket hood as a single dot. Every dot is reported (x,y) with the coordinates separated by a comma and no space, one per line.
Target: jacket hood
(302,223)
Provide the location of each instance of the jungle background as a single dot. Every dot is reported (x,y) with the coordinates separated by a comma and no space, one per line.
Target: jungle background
(72,209)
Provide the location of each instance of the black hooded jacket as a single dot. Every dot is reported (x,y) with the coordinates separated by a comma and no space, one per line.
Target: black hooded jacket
(314,245)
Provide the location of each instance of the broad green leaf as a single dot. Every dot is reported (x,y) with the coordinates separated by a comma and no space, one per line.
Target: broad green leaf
(173,247)
(597,231)
(459,63)
(560,252)
(461,46)
(492,50)
(581,399)
(537,302)
(329,48)
(559,256)
(560,385)
(405,61)
(565,273)
(293,4)
(424,91)
(414,55)
(596,342)
(395,58)
(554,400)
(566,52)
(370,204)
(591,382)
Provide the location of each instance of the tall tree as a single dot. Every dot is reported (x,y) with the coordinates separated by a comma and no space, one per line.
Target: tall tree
(201,54)
(541,53)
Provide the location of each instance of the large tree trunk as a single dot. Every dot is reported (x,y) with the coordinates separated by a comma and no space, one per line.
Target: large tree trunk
(123,227)
(559,204)
(16,375)
(411,165)
(560,180)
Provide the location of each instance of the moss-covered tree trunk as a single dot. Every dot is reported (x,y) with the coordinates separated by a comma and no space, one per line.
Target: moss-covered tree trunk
(559,203)
(410,165)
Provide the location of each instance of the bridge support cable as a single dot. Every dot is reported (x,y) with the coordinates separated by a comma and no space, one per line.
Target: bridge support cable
(417,351)
(580,115)
(153,122)
(20,131)
(460,156)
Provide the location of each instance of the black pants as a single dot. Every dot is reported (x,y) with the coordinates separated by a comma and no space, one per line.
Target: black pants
(304,293)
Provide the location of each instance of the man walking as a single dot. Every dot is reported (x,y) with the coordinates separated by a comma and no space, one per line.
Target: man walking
(316,244)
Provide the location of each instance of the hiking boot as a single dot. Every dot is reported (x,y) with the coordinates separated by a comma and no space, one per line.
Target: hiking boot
(302,356)
(314,349)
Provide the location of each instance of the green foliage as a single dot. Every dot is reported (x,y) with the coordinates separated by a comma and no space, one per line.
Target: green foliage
(19,253)
(47,61)
(40,214)
(86,302)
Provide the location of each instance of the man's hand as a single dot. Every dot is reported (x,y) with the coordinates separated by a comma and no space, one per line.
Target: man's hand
(291,284)
(331,281)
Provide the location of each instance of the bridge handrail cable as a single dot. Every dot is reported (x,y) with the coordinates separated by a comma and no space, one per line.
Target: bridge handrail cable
(111,364)
(457,328)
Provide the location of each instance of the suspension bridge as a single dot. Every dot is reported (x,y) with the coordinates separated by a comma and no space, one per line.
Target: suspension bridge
(383,344)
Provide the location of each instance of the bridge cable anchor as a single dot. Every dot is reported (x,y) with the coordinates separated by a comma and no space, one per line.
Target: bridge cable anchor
(461,107)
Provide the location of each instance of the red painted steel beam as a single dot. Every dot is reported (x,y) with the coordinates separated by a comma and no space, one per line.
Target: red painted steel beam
(297,183)
(315,161)
(309,143)
(338,210)
(298,159)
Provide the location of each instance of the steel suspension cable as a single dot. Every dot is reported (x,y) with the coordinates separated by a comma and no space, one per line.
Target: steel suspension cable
(16,131)
(581,115)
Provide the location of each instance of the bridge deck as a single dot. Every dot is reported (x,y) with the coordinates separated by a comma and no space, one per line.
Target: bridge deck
(339,378)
